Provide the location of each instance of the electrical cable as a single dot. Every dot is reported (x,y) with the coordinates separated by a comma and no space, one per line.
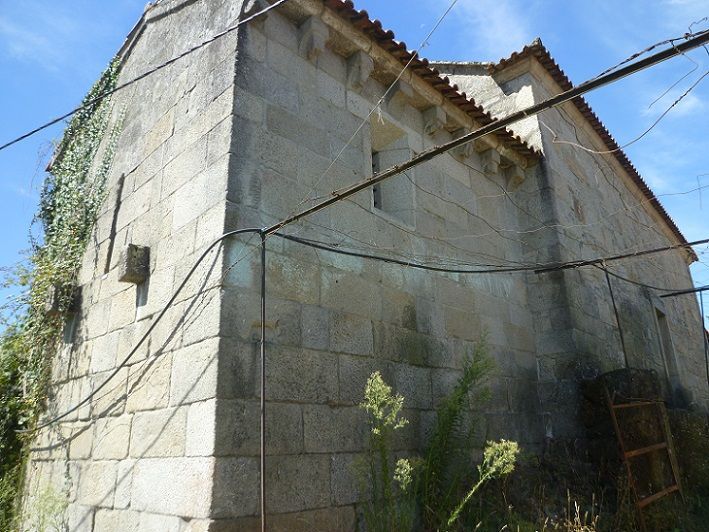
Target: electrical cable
(555,139)
(637,283)
(527,268)
(142,76)
(145,335)
(376,106)
(426,155)
(494,126)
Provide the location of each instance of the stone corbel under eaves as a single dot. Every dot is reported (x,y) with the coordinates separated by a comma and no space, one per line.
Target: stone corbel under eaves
(385,65)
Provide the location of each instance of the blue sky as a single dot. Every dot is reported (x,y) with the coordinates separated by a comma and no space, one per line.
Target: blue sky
(51,52)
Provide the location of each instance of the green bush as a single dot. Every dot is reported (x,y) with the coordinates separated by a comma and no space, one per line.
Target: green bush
(71,197)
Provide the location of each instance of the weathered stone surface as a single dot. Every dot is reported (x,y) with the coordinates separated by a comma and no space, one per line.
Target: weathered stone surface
(243,133)
(298,482)
(177,486)
(159,433)
(111,437)
(98,484)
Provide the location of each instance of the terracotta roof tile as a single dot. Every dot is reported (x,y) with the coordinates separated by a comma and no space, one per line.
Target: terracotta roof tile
(420,66)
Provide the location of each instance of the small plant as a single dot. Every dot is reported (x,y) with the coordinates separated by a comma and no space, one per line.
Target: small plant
(70,201)
(46,511)
(440,482)
(391,508)
(498,461)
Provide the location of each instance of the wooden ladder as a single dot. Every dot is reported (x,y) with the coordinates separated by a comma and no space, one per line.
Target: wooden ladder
(628,454)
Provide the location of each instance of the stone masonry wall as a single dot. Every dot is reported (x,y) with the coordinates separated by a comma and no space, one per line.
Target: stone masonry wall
(139,455)
(599,212)
(333,320)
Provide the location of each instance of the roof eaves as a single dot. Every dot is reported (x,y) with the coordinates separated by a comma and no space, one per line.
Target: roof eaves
(421,67)
(538,51)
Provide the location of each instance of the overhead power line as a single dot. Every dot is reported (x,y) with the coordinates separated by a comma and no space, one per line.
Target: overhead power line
(700,39)
(147,333)
(536,268)
(144,75)
(694,42)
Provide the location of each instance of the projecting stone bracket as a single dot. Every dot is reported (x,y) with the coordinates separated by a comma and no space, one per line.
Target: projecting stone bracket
(515,176)
(490,160)
(399,93)
(434,119)
(359,68)
(464,150)
(314,33)
(134,264)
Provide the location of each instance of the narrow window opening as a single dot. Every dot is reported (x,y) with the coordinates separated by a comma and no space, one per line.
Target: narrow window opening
(394,196)
(141,297)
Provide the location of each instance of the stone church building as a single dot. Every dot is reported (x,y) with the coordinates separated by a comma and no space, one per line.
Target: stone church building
(242,133)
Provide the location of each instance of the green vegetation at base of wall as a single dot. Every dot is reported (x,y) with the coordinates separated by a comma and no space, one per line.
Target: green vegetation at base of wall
(71,196)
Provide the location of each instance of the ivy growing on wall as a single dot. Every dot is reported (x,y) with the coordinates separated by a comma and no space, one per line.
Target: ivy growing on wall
(71,196)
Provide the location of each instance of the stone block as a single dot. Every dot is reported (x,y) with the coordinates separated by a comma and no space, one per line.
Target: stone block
(134,264)
(194,373)
(353,373)
(123,520)
(294,128)
(111,437)
(124,483)
(111,399)
(81,442)
(98,484)
(173,486)
(315,327)
(238,430)
(159,433)
(239,369)
(414,383)
(293,279)
(350,293)
(301,375)
(351,334)
(201,428)
(122,309)
(103,352)
(235,488)
(149,384)
(330,429)
(298,482)
(160,523)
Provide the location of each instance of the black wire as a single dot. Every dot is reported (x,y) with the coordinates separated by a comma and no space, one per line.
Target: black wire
(536,268)
(329,247)
(146,334)
(638,283)
(141,76)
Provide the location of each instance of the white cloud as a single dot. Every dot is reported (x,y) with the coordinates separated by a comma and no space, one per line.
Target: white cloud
(496,27)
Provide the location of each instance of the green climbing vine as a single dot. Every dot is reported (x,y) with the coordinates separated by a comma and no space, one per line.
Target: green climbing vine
(71,196)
